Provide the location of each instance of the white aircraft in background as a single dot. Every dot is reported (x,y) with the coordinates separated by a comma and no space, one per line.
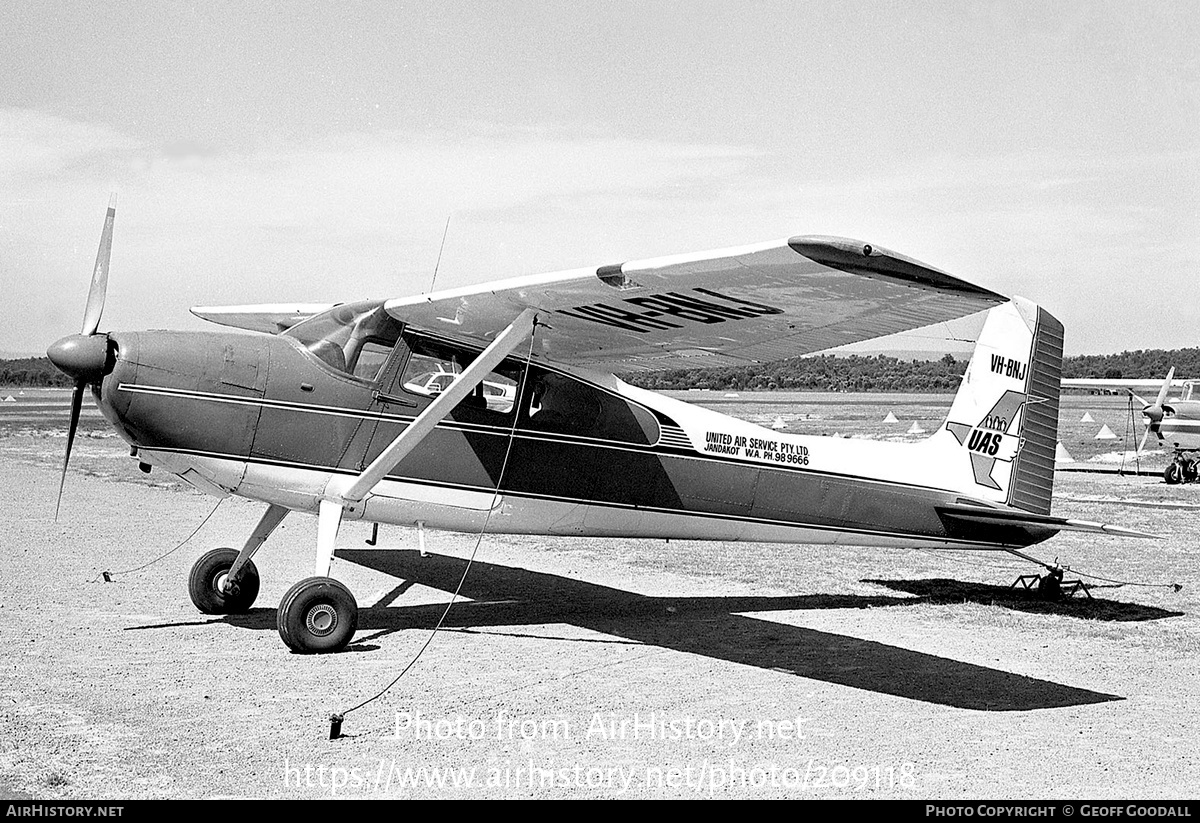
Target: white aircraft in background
(1176,423)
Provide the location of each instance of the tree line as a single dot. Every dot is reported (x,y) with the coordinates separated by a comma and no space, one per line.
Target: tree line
(878,373)
(882,373)
(32,372)
(1144,364)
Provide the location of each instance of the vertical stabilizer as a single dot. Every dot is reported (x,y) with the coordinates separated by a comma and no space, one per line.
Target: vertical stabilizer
(1002,429)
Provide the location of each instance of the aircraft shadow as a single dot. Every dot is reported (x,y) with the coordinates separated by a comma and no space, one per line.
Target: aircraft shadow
(939,591)
(714,627)
(717,627)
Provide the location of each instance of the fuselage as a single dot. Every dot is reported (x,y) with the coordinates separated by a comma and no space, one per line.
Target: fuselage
(538,449)
(1179,427)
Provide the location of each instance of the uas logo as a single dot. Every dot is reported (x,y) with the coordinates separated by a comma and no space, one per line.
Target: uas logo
(990,441)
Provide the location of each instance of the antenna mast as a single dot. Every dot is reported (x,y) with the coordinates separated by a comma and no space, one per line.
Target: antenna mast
(445,231)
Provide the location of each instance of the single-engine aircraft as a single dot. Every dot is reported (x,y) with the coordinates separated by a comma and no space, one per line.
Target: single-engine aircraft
(344,411)
(1175,422)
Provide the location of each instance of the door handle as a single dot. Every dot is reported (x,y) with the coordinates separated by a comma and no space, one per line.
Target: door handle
(393,399)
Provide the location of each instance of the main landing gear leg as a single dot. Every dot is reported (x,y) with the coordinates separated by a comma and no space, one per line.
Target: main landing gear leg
(224,581)
(319,614)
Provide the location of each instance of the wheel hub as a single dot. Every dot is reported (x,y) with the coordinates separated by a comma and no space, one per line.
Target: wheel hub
(321,619)
(225,586)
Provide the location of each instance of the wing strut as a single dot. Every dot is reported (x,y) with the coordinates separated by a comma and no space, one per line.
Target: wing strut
(331,508)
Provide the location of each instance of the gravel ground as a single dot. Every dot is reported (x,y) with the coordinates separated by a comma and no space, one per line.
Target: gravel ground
(585,668)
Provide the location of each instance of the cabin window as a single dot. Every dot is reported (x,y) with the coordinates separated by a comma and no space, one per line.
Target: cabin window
(565,405)
(432,367)
(354,339)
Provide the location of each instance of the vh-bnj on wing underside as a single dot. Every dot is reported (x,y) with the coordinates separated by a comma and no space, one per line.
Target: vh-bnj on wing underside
(498,406)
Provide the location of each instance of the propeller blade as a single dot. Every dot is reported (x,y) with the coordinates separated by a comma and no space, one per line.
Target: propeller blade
(1153,412)
(1166,387)
(1145,403)
(1142,446)
(99,287)
(76,405)
(85,355)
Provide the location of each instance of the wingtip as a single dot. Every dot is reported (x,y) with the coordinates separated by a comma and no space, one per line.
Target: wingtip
(1135,533)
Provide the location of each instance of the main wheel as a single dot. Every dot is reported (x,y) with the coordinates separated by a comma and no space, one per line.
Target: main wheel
(316,615)
(1173,474)
(211,590)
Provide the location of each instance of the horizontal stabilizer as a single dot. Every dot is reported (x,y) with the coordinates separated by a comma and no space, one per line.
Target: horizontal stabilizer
(271,318)
(1022,519)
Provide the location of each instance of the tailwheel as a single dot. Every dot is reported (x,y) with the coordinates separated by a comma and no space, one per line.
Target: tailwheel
(318,614)
(1050,584)
(214,592)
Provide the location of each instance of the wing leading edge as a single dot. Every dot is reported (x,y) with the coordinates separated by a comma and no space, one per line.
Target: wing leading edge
(271,318)
(730,307)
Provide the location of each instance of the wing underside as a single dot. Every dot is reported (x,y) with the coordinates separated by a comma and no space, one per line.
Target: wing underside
(724,308)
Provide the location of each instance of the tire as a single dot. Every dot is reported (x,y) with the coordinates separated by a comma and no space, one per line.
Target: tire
(1172,474)
(1188,475)
(317,615)
(204,584)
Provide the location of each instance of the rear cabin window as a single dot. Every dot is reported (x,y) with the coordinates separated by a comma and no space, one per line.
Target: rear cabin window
(564,405)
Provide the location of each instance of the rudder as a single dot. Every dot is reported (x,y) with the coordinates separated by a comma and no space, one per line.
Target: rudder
(1033,475)
(1002,428)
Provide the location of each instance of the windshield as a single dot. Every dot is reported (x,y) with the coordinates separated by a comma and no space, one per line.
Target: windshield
(354,338)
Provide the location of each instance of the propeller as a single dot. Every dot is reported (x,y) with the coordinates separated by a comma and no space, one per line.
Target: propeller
(85,356)
(1154,411)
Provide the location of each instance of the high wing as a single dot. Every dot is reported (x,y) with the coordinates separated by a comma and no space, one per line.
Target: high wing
(271,318)
(1120,386)
(730,307)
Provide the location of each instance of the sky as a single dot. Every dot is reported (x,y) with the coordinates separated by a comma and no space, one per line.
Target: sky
(314,152)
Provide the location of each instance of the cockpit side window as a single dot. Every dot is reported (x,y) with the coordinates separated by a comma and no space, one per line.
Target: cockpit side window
(354,339)
(371,357)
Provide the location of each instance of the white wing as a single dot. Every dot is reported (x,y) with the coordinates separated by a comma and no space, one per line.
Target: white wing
(720,308)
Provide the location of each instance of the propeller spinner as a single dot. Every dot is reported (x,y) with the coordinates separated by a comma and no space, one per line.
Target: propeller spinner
(86,356)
